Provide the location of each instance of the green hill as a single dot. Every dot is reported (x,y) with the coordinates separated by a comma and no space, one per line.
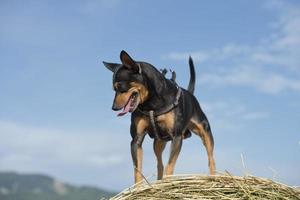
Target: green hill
(15,186)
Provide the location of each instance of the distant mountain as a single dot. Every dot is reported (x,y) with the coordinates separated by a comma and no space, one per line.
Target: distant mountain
(15,186)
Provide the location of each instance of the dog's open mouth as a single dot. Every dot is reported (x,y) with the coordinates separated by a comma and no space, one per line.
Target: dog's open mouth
(131,105)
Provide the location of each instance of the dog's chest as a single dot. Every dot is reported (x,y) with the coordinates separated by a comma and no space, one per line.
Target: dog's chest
(164,126)
(166,122)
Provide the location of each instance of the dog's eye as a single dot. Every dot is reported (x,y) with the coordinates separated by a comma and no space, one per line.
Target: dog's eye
(121,87)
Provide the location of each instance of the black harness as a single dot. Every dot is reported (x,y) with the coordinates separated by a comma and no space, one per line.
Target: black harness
(153,114)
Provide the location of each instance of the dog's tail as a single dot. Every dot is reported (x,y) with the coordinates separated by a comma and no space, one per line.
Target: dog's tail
(191,86)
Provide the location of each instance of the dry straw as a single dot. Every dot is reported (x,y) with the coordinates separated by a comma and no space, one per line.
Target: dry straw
(210,187)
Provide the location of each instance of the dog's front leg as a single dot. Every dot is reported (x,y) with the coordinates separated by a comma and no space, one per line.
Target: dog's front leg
(159,146)
(175,150)
(138,134)
(137,157)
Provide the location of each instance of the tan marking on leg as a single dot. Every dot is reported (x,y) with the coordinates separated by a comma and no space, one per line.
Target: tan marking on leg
(175,150)
(198,128)
(141,124)
(159,146)
(138,169)
(166,122)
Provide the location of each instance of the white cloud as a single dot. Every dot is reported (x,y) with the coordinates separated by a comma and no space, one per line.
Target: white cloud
(272,65)
(270,83)
(229,50)
(231,117)
(198,56)
(255,115)
(22,146)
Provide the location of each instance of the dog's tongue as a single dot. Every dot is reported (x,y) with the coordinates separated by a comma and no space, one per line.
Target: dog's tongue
(126,108)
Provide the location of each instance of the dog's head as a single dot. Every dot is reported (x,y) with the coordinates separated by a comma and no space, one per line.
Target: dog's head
(128,84)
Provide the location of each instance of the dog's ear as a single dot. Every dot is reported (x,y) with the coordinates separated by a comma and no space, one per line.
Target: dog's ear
(111,66)
(128,62)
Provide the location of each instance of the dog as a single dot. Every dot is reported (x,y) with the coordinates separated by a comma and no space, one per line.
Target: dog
(159,108)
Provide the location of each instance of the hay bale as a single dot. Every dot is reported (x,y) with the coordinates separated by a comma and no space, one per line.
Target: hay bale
(210,187)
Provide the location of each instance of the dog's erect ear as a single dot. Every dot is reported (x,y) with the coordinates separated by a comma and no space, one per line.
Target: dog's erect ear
(126,59)
(128,62)
(111,66)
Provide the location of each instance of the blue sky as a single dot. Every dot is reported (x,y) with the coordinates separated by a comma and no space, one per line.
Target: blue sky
(56,96)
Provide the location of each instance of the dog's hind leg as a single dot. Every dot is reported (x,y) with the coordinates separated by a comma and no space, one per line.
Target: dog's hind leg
(159,146)
(175,150)
(202,129)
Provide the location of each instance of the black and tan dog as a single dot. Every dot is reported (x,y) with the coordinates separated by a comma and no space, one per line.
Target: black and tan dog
(159,108)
